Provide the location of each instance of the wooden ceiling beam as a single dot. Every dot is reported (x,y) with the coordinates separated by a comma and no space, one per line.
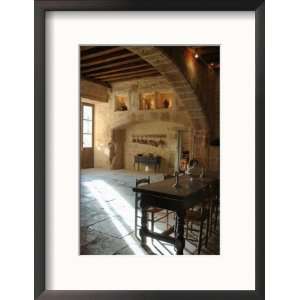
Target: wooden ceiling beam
(97,81)
(101,60)
(111,65)
(118,74)
(100,52)
(131,77)
(135,66)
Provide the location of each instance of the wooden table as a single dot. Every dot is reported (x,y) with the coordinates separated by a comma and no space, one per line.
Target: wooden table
(162,194)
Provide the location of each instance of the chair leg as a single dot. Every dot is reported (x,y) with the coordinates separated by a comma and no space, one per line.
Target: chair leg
(152,224)
(200,237)
(187,230)
(167,219)
(211,212)
(207,229)
(216,218)
(135,220)
(175,226)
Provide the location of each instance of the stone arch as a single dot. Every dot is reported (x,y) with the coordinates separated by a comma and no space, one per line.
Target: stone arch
(181,86)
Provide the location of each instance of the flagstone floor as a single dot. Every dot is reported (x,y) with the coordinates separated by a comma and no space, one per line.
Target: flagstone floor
(107,216)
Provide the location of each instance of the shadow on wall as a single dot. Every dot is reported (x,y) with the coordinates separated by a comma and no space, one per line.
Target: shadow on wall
(116,149)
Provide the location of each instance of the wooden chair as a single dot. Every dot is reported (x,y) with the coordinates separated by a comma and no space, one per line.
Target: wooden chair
(138,182)
(214,208)
(199,216)
(151,210)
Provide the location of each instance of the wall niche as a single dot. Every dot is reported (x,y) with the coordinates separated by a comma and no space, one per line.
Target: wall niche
(164,100)
(121,103)
(147,101)
(156,100)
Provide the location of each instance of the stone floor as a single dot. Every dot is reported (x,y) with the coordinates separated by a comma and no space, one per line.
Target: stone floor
(107,216)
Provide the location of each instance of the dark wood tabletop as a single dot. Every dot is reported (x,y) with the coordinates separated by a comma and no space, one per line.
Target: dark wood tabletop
(187,187)
(164,195)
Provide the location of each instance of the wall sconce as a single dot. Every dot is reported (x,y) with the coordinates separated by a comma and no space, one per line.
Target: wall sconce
(196,55)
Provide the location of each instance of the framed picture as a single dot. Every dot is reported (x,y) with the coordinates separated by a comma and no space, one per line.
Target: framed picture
(149,150)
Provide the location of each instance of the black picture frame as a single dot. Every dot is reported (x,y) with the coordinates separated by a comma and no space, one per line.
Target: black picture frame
(41,7)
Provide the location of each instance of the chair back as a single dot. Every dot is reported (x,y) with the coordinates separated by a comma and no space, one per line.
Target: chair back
(140,182)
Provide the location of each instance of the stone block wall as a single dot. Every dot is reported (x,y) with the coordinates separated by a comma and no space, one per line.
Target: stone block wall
(214,103)
(167,152)
(117,127)
(214,159)
(204,81)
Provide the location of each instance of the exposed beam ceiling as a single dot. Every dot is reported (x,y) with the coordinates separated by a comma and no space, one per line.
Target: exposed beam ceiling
(124,73)
(138,76)
(94,52)
(112,65)
(108,64)
(105,59)
(118,69)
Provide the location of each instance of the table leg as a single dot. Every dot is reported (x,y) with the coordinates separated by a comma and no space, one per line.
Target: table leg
(179,233)
(144,223)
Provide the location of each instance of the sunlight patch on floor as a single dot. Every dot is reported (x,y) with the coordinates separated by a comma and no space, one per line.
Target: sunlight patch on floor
(115,204)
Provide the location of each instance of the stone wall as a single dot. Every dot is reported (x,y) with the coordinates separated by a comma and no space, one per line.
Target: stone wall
(214,159)
(168,151)
(153,121)
(114,129)
(204,81)
(174,73)
(214,103)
